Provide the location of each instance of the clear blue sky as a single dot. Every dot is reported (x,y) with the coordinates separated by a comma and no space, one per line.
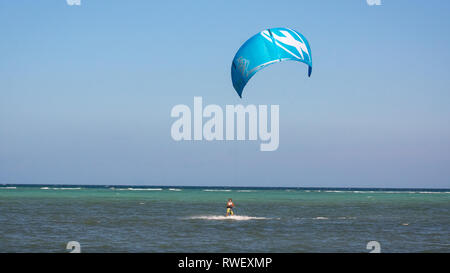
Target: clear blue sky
(86,93)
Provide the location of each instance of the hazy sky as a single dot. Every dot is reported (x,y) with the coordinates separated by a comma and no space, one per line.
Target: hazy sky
(86,93)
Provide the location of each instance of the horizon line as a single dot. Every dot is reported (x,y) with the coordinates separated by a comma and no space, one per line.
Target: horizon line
(216,186)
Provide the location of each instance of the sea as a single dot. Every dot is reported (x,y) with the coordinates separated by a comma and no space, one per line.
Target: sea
(45,218)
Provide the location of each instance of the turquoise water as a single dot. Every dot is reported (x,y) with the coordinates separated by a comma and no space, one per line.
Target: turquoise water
(45,218)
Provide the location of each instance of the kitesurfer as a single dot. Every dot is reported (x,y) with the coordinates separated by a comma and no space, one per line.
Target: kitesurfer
(230,206)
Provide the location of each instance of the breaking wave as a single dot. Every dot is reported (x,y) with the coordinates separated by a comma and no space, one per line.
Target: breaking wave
(47,188)
(140,189)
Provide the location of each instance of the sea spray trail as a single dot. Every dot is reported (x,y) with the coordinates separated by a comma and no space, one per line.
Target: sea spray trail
(231,218)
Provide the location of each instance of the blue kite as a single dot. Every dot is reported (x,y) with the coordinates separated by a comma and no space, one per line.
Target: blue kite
(265,48)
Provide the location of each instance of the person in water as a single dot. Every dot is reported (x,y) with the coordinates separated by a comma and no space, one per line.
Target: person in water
(230,206)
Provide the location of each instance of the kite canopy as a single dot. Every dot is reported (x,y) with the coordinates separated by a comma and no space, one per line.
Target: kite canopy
(265,48)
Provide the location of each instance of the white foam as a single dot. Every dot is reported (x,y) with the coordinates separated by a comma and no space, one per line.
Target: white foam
(174,189)
(320,218)
(222,217)
(400,192)
(8,188)
(217,190)
(140,189)
(246,191)
(410,192)
(47,188)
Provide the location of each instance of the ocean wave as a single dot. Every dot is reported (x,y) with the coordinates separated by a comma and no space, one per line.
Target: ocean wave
(8,188)
(378,191)
(411,192)
(222,217)
(218,190)
(141,189)
(402,192)
(320,218)
(246,191)
(431,192)
(171,189)
(47,188)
